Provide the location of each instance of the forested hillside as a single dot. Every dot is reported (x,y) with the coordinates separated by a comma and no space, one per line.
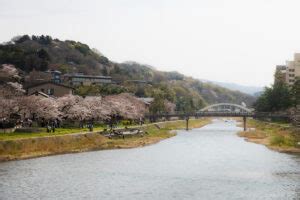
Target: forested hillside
(41,53)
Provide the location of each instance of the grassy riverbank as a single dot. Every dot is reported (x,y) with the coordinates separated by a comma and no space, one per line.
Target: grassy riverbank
(277,136)
(19,146)
(44,133)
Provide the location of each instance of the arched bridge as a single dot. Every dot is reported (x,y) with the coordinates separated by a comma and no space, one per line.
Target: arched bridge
(228,107)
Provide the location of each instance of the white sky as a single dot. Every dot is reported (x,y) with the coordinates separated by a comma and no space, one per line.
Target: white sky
(237,41)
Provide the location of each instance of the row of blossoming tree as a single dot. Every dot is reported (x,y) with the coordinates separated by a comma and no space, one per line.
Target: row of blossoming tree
(74,108)
(13,101)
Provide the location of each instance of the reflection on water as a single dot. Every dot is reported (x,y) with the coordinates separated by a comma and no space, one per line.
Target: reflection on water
(207,163)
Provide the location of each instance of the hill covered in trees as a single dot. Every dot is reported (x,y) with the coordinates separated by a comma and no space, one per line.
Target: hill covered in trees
(41,53)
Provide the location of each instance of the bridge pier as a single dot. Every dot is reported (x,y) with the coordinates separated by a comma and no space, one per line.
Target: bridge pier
(245,123)
(187,123)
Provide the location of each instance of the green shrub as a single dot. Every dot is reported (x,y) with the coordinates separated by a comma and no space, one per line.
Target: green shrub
(277,140)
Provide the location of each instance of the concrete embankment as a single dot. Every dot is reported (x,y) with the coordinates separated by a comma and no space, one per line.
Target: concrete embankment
(50,145)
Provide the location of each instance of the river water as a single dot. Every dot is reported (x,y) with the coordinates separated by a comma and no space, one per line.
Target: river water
(207,163)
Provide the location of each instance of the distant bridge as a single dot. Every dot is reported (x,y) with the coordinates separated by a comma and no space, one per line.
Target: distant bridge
(219,110)
(226,107)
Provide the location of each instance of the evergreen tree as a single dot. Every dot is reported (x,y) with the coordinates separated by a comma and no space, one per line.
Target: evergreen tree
(295,91)
(276,98)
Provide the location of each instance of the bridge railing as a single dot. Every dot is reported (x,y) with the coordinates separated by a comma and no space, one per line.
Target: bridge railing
(201,114)
(222,114)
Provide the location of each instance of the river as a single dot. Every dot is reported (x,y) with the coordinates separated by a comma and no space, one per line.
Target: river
(207,163)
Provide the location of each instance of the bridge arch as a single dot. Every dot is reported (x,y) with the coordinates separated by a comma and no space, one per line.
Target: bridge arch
(226,107)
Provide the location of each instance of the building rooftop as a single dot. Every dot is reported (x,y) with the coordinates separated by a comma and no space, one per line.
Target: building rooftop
(39,93)
(53,71)
(281,67)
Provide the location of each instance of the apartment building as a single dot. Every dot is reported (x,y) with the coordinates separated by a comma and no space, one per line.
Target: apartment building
(291,70)
(282,70)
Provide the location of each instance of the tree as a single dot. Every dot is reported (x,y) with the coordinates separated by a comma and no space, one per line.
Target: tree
(169,107)
(280,98)
(126,106)
(275,98)
(90,108)
(7,107)
(46,108)
(43,54)
(158,106)
(10,92)
(21,39)
(295,91)
(262,103)
(44,40)
(38,107)
(9,73)
(72,107)
(100,110)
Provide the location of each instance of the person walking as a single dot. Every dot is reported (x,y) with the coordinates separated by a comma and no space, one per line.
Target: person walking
(48,128)
(53,126)
(91,126)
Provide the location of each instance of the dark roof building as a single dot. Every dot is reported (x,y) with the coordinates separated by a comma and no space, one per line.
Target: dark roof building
(50,88)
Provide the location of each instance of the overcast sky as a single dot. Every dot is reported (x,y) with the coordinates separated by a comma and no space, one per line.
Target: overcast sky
(237,41)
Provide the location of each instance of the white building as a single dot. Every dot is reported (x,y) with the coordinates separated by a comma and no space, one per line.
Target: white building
(293,69)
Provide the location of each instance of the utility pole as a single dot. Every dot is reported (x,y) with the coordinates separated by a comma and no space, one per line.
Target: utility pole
(245,121)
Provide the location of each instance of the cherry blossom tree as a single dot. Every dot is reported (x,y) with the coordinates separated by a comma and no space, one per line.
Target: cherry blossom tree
(39,107)
(9,88)
(126,106)
(7,107)
(10,92)
(98,107)
(47,108)
(72,107)
(8,72)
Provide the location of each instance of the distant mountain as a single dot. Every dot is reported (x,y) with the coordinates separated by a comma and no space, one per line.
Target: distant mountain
(41,53)
(252,90)
(257,94)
